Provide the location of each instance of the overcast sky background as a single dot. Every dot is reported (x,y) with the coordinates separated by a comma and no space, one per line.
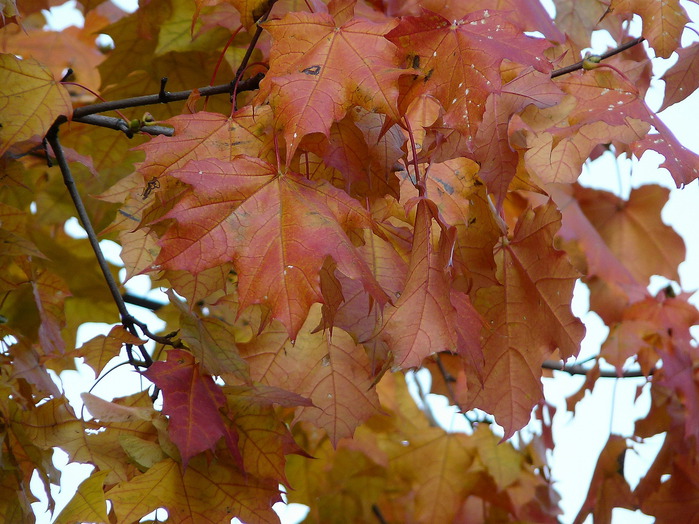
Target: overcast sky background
(578,439)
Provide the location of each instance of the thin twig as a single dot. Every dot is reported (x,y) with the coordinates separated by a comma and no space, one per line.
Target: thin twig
(377,513)
(246,85)
(577,369)
(52,138)
(119,124)
(612,52)
(142,302)
(235,83)
(448,380)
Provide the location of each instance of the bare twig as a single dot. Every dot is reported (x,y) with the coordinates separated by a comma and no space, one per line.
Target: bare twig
(127,320)
(142,302)
(235,83)
(612,52)
(164,97)
(377,513)
(577,369)
(448,381)
(119,124)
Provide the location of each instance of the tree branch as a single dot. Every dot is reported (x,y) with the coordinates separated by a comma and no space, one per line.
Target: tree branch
(610,53)
(126,318)
(578,369)
(248,53)
(119,124)
(142,302)
(164,97)
(448,381)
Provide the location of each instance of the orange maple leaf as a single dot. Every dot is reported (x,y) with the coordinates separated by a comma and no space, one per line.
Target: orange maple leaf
(423,320)
(528,318)
(332,370)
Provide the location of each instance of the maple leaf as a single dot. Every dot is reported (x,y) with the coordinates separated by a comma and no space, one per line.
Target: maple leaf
(492,149)
(88,503)
(608,488)
(578,19)
(50,293)
(99,350)
(276,228)
(463,203)
(319,68)
(663,22)
(264,439)
(196,137)
(212,342)
(357,148)
(624,341)
(60,50)
(179,33)
(422,321)
(633,237)
(55,424)
(192,401)
(32,100)
(530,15)
(677,497)
(461,60)
(332,370)
(682,163)
(678,376)
(536,285)
(26,360)
(251,11)
(202,493)
(682,78)
(605,272)
(606,93)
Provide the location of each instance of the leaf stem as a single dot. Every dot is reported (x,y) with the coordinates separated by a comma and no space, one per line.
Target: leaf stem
(419,184)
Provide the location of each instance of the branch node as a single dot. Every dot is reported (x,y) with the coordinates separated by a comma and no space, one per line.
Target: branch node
(163,96)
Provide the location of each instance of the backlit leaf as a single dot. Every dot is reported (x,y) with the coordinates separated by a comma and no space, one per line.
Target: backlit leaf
(332,370)
(536,285)
(32,100)
(88,503)
(207,493)
(192,401)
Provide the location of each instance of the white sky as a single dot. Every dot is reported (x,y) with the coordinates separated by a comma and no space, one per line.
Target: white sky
(578,439)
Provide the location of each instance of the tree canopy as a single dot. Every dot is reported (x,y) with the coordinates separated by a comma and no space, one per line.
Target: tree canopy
(334,194)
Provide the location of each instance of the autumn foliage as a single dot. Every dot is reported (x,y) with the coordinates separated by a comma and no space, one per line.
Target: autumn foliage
(367,187)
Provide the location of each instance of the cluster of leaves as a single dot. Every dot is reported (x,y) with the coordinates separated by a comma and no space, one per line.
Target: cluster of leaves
(388,185)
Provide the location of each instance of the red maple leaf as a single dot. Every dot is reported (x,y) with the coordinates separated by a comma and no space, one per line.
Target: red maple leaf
(321,65)
(192,401)
(276,228)
(461,59)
